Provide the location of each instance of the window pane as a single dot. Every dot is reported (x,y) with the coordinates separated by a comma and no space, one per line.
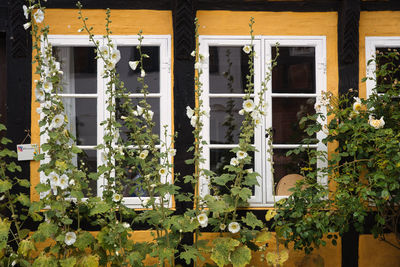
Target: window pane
(82,119)
(80,69)
(287,170)
(228,69)
(286,115)
(295,72)
(155,107)
(151,66)
(87,161)
(387,81)
(225,120)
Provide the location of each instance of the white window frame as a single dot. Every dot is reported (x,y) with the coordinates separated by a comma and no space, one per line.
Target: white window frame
(371,43)
(262,46)
(165,95)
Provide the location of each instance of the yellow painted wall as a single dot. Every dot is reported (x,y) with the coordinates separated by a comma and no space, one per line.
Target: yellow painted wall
(373,252)
(124,22)
(377,23)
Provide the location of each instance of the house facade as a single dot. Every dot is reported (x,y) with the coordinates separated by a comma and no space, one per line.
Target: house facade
(324,46)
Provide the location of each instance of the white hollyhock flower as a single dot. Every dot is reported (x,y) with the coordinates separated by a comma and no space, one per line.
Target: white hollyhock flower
(241,112)
(142,73)
(110,65)
(40,96)
(25,8)
(123,117)
(139,110)
(162,172)
(193,54)
(193,120)
(26,25)
(172,152)
(39,16)
(116,197)
(234,162)
(248,105)
(249,170)
(47,86)
(189,112)
(57,121)
(247,49)
(115,56)
(125,225)
(222,227)
(149,115)
(63,182)
(377,124)
(234,227)
(143,154)
(357,104)
(133,64)
(70,238)
(197,65)
(103,50)
(103,156)
(203,220)
(54,179)
(241,154)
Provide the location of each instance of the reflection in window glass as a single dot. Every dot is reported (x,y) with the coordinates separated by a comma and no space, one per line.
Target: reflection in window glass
(82,119)
(228,69)
(151,65)
(155,107)
(387,80)
(87,162)
(79,65)
(225,120)
(288,167)
(286,115)
(295,70)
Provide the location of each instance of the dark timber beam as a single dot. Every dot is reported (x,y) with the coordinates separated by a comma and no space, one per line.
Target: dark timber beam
(184,12)
(348,40)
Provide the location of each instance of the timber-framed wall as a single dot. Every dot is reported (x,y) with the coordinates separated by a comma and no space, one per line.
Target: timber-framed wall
(354,20)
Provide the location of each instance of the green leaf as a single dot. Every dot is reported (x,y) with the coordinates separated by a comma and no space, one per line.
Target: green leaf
(44,261)
(24,200)
(42,188)
(222,248)
(190,254)
(69,262)
(24,183)
(224,178)
(252,221)
(243,193)
(5,186)
(45,230)
(4,229)
(241,256)
(84,240)
(100,207)
(76,150)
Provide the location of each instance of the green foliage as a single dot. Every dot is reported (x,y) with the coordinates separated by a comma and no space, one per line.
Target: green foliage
(364,167)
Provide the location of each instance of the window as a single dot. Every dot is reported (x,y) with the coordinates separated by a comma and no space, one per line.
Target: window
(296,83)
(84,93)
(372,45)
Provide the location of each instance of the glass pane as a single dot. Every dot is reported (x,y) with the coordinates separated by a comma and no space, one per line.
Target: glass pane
(286,115)
(80,69)
(287,170)
(82,119)
(225,120)
(151,66)
(383,58)
(295,72)
(155,107)
(87,161)
(228,69)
